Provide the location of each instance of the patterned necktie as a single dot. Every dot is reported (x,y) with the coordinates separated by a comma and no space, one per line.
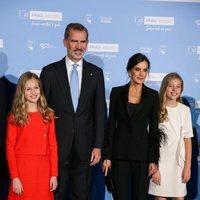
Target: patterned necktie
(74,86)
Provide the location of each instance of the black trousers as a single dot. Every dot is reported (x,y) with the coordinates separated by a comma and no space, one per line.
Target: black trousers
(74,181)
(130,179)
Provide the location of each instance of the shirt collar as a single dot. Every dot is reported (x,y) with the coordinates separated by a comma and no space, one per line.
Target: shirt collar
(70,62)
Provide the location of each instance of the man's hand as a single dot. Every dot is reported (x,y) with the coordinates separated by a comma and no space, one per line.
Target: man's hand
(95,156)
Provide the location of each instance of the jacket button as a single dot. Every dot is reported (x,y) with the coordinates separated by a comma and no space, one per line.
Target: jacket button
(45,135)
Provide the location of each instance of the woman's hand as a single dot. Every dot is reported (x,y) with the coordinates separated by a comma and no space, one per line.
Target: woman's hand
(53,183)
(17,186)
(105,166)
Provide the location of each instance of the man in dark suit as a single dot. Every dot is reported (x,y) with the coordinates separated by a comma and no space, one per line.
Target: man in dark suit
(7,90)
(80,131)
(3,166)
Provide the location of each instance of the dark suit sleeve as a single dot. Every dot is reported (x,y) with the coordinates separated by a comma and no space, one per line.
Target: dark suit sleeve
(3,107)
(153,130)
(100,112)
(111,126)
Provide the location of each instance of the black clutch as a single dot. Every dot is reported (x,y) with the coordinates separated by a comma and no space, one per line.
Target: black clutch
(109,182)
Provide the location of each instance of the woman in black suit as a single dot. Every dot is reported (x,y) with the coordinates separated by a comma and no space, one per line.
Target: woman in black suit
(131,141)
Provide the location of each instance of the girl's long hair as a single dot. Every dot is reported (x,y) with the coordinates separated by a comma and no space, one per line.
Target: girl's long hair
(163,111)
(19,107)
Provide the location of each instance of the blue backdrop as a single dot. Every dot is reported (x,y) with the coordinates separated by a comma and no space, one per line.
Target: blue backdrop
(168,32)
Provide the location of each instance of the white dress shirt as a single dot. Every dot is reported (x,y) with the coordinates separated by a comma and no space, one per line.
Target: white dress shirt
(69,67)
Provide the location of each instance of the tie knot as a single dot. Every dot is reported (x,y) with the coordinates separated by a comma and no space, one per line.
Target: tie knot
(75,66)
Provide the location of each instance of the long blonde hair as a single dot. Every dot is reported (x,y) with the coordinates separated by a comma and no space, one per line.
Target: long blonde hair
(165,82)
(19,107)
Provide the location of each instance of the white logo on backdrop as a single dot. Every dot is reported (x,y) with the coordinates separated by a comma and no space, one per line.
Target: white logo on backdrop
(197,22)
(156,77)
(23,14)
(46,45)
(197,78)
(107,76)
(194,50)
(46,24)
(40,15)
(103,50)
(162,50)
(105,20)
(36,72)
(146,50)
(102,47)
(139,20)
(1,43)
(197,105)
(159,21)
(162,24)
(31,45)
(154,80)
(198,50)
(46,16)
(42,18)
(89,18)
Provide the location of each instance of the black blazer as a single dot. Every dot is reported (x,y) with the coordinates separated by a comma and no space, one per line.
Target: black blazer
(3,125)
(133,137)
(85,128)
(3,110)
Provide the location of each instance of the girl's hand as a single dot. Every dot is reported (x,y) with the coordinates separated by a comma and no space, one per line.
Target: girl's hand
(156,177)
(17,186)
(186,174)
(105,166)
(53,183)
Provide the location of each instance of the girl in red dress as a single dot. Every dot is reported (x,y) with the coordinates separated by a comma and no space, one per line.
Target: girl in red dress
(31,145)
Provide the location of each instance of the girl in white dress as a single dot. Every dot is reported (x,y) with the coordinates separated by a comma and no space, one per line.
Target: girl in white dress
(175,154)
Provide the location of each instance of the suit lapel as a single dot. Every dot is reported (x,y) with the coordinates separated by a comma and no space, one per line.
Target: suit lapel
(63,82)
(142,100)
(124,97)
(87,75)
